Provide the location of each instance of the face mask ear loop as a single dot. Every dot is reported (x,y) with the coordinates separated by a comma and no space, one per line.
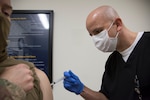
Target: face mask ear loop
(117,35)
(110,25)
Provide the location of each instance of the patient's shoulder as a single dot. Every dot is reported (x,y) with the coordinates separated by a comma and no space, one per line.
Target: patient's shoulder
(44,84)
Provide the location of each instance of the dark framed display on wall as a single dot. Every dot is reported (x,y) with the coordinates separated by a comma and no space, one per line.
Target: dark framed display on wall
(31,38)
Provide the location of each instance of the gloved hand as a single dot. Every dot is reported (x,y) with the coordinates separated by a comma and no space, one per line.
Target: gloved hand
(72,82)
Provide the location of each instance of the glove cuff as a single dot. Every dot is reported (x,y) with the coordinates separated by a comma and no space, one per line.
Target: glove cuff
(80,90)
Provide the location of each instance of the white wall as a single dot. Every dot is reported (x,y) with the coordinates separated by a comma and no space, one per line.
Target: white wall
(73,48)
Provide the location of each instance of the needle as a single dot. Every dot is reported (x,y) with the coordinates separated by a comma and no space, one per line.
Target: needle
(53,83)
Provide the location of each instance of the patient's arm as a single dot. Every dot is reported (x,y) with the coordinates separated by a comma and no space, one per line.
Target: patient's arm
(45,85)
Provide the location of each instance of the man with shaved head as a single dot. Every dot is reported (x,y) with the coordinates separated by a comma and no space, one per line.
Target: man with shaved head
(126,75)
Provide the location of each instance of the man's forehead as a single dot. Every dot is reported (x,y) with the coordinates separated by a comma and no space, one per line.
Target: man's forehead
(6,2)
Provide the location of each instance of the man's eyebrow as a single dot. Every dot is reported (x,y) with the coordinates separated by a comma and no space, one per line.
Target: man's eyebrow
(8,7)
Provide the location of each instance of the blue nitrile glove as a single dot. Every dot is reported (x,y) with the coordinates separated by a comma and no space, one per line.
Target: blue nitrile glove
(72,82)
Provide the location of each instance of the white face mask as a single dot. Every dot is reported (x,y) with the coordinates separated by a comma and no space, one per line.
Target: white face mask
(105,43)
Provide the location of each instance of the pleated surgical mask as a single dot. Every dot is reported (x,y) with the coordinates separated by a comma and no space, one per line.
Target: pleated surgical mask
(105,43)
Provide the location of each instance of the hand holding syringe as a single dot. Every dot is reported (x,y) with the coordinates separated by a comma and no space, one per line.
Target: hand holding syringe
(53,83)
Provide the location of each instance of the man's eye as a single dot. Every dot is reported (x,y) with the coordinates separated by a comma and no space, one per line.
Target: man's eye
(97,32)
(6,14)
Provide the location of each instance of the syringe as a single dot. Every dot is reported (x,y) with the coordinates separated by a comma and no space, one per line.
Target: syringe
(53,83)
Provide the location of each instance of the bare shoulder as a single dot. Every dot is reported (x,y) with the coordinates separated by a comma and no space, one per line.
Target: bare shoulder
(45,85)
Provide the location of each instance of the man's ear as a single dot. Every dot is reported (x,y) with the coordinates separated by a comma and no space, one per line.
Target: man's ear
(119,24)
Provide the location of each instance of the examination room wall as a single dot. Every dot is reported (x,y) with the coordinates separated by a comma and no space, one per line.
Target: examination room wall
(73,48)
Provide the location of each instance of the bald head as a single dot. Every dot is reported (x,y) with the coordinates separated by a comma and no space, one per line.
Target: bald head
(101,16)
